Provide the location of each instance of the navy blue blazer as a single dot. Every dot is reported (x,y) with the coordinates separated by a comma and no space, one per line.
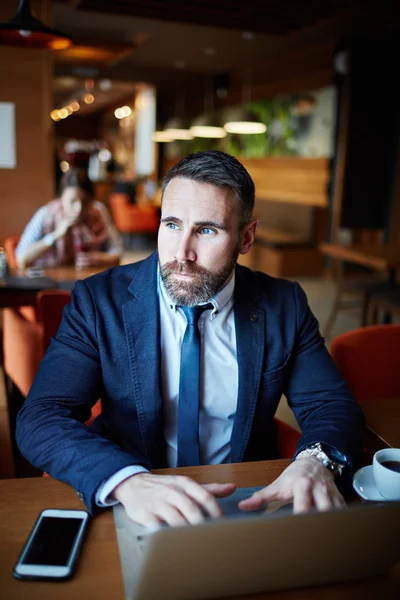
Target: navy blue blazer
(108,346)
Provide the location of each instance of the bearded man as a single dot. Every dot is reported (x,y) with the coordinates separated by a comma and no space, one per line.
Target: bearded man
(190,354)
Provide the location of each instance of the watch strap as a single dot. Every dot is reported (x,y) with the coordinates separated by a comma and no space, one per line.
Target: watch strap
(329,458)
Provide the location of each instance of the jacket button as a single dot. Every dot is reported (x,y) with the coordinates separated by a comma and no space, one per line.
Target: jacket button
(253,318)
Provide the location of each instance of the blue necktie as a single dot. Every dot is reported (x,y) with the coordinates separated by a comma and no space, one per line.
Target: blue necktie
(189,389)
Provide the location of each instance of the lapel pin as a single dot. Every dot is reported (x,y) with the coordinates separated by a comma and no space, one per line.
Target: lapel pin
(253,318)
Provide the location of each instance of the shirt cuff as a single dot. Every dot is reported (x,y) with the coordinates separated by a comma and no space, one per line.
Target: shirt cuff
(103,495)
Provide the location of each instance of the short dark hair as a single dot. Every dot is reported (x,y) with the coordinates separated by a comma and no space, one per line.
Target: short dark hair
(219,169)
(76,178)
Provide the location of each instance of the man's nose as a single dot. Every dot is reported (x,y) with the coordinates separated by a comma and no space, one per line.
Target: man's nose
(185,250)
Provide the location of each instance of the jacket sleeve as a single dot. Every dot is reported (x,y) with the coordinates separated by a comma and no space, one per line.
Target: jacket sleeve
(51,432)
(317,393)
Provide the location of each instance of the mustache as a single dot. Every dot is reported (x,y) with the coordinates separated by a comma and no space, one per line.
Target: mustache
(183,268)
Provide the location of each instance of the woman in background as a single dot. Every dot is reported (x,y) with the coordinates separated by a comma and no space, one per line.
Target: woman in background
(73,229)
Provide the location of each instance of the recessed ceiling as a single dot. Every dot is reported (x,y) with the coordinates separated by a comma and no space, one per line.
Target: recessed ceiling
(279,17)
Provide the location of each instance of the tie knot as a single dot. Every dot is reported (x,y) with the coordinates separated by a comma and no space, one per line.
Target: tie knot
(193,313)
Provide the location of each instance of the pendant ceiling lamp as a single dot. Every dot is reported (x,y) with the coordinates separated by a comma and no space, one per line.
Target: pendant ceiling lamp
(208,125)
(24,30)
(245,121)
(177,127)
(161,137)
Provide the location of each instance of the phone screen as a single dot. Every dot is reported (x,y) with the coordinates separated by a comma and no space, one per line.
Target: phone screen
(53,541)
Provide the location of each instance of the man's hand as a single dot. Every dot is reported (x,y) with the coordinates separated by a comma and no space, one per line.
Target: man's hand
(153,499)
(306,482)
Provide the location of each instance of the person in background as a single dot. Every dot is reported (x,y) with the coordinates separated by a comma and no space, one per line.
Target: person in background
(74,228)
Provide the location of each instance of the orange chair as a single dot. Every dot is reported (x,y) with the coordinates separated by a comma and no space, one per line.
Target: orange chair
(10,245)
(133,218)
(368,359)
(50,304)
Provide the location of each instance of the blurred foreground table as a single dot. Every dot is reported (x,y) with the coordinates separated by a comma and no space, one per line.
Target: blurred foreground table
(20,290)
(99,575)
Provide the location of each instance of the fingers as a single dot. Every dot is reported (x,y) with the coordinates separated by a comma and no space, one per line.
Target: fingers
(302,495)
(202,495)
(268,494)
(220,490)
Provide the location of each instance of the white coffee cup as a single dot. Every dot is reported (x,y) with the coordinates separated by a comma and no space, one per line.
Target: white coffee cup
(386,469)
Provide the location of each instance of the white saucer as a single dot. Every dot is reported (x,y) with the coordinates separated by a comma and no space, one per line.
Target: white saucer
(364,484)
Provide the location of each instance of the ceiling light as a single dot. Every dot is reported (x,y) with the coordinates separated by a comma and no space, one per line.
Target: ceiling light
(161,137)
(207,127)
(177,129)
(126,111)
(75,105)
(105,84)
(88,98)
(247,125)
(245,121)
(24,30)
(104,155)
(54,115)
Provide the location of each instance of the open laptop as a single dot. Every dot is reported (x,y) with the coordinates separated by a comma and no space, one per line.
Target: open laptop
(250,553)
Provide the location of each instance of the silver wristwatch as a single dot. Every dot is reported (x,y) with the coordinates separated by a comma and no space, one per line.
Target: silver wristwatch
(317,450)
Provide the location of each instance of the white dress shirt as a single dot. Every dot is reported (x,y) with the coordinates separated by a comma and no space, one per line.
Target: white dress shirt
(219,381)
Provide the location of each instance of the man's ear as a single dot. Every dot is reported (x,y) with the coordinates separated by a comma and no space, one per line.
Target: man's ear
(247,236)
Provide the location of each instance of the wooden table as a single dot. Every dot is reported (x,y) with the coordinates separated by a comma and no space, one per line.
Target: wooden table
(99,575)
(383,421)
(23,292)
(377,257)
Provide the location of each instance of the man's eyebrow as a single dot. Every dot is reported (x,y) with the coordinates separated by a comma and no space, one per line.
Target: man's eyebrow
(197,223)
(210,224)
(171,220)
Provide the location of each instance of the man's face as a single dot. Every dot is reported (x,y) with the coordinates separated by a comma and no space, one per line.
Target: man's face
(199,240)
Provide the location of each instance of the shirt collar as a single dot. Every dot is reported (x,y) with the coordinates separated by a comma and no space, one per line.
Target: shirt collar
(219,301)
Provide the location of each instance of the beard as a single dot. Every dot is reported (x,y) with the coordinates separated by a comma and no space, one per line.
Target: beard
(204,285)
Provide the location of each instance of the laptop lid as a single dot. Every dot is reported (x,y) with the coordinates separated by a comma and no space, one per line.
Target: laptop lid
(241,555)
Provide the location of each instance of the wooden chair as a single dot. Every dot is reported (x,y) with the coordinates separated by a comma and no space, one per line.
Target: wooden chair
(360,289)
(387,301)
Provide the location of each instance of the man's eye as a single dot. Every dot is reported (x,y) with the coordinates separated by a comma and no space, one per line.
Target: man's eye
(206,231)
(172,226)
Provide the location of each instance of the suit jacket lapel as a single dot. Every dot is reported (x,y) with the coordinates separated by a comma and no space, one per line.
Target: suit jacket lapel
(250,347)
(142,329)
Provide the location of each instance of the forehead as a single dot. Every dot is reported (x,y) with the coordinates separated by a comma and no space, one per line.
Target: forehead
(185,198)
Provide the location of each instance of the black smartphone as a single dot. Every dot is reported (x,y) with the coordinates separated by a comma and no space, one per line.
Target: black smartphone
(52,548)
